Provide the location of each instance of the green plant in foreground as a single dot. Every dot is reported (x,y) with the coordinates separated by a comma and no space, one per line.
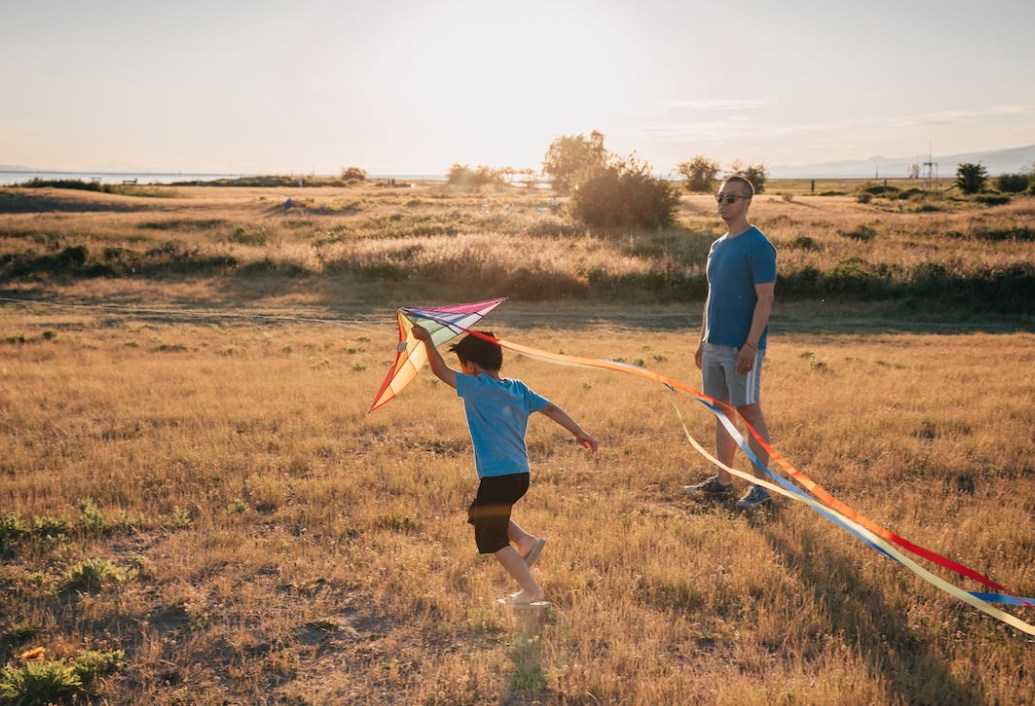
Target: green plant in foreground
(42,681)
(92,574)
(12,528)
(38,682)
(92,663)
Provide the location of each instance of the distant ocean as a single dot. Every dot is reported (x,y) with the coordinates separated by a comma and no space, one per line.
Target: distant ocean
(11,177)
(18,177)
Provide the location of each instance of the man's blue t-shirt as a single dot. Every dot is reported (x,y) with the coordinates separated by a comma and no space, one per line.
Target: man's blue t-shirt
(735,266)
(497,417)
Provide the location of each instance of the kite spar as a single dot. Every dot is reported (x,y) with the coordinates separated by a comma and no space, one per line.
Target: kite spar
(443,323)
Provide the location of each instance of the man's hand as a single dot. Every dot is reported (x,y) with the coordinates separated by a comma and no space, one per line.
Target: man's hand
(745,360)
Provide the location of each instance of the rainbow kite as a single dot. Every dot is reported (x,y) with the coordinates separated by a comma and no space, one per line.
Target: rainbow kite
(443,323)
(447,322)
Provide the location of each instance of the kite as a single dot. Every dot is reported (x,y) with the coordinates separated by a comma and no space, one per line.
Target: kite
(448,322)
(443,323)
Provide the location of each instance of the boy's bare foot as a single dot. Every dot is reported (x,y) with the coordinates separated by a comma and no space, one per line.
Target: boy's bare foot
(533,553)
(521,598)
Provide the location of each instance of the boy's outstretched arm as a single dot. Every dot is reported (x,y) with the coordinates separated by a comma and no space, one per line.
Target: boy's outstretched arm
(564,419)
(438,366)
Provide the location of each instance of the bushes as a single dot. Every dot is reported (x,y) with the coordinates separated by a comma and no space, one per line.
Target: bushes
(1009,288)
(700,172)
(45,681)
(75,260)
(971,178)
(623,193)
(992,199)
(1012,183)
(463,175)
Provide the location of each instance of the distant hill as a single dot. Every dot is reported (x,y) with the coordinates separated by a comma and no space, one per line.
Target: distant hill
(1009,161)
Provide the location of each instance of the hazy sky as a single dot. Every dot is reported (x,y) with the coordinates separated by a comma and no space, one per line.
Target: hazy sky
(414,86)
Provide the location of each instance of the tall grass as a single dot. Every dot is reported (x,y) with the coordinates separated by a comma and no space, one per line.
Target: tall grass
(929,251)
(253,536)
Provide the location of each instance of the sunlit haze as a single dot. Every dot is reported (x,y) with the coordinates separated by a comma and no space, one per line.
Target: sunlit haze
(412,87)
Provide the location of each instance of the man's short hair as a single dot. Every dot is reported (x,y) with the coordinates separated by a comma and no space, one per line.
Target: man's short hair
(742,180)
(485,354)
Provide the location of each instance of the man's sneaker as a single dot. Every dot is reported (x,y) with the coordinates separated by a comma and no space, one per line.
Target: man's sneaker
(711,488)
(756,497)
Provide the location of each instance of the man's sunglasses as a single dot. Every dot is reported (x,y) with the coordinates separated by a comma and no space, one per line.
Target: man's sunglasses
(730,198)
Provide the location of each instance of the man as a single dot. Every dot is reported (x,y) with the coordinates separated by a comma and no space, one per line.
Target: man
(741,282)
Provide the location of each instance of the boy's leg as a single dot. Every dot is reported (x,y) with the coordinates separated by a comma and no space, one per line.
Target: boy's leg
(518,570)
(520,538)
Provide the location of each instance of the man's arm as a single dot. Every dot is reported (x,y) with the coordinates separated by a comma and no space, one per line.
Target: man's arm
(766,293)
(438,366)
(699,353)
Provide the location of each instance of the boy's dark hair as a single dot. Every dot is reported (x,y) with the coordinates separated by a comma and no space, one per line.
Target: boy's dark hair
(485,354)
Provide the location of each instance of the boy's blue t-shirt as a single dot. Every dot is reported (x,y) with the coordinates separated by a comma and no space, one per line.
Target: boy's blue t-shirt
(735,266)
(497,417)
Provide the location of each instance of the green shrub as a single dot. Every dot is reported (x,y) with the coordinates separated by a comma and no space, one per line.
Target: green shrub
(91,663)
(971,178)
(38,682)
(804,242)
(353,174)
(757,174)
(881,190)
(463,175)
(41,681)
(12,529)
(91,519)
(624,194)
(700,173)
(863,233)
(92,574)
(78,184)
(849,276)
(50,528)
(992,199)
(1012,183)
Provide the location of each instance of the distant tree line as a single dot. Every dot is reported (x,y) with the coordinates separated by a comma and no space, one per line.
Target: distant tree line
(702,174)
(972,178)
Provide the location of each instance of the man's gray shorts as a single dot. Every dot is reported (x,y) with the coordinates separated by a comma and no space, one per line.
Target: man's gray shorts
(721,381)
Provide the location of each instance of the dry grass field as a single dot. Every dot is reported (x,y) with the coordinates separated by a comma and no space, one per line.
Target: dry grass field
(196,507)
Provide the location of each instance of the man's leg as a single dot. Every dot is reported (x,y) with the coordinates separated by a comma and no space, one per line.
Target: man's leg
(725,448)
(752,414)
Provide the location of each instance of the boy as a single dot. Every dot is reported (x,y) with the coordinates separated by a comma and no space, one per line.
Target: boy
(497,412)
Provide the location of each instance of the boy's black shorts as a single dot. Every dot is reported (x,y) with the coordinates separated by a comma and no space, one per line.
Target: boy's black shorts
(490,511)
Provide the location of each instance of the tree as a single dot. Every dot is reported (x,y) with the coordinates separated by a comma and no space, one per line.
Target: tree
(353,174)
(569,155)
(971,177)
(1012,183)
(757,174)
(463,175)
(700,173)
(623,193)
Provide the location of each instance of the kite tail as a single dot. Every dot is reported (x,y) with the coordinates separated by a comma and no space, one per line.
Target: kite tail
(869,531)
